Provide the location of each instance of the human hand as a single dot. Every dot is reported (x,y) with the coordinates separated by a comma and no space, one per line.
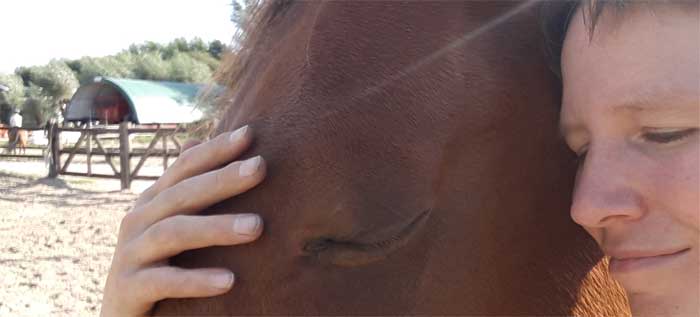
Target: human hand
(161,224)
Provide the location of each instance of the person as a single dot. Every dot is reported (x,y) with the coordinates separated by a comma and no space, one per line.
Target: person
(630,111)
(15,124)
(15,119)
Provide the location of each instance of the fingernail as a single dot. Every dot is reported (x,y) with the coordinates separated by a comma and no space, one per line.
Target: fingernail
(222,280)
(249,166)
(236,135)
(246,224)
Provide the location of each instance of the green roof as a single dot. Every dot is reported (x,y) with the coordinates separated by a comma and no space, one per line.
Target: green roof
(149,101)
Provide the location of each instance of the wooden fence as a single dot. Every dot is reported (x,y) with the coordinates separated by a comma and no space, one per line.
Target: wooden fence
(90,144)
(30,148)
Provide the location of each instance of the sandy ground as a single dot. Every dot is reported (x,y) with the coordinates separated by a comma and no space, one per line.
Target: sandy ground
(56,239)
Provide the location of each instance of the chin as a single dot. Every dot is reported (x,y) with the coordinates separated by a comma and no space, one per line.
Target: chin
(656,305)
(671,291)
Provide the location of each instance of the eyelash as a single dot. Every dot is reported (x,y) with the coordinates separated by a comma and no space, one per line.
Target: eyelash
(658,137)
(668,137)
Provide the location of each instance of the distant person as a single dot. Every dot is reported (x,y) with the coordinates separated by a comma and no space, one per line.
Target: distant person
(15,124)
(15,119)
(16,136)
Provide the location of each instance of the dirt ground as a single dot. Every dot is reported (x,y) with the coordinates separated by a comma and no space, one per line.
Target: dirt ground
(56,239)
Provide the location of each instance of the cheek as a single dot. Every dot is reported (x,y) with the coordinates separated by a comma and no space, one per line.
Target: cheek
(691,188)
(679,183)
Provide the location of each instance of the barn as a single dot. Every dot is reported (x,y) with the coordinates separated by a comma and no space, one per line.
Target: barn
(113,100)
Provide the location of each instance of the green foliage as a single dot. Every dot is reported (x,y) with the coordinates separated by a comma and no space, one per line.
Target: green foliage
(207,59)
(38,90)
(185,68)
(38,106)
(37,109)
(198,45)
(147,47)
(151,66)
(216,48)
(44,87)
(14,97)
(179,60)
(241,12)
(120,65)
(56,79)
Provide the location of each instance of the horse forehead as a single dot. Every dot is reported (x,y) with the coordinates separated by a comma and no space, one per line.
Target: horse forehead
(360,61)
(377,47)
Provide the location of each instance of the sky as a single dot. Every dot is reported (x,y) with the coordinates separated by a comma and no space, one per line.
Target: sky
(32,32)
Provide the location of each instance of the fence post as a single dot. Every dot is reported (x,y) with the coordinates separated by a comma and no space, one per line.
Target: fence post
(55,149)
(89,148)
(124,155)
(165,151)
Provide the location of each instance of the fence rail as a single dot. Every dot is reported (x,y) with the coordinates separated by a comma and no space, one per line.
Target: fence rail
(163,144)
(90,145)
(4,153)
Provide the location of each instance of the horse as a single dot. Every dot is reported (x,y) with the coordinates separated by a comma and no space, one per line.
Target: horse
(17,138)
(414,167)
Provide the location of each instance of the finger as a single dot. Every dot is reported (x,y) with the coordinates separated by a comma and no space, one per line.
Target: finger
(203,157)
(198,192)
(190,143)
(163,282)
(174,235)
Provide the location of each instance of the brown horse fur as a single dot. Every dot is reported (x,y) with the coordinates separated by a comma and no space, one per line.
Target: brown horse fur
(17,138)
(3,130)
(414,167)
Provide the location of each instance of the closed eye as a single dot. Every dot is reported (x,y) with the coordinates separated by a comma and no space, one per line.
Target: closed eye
(353,253)
(665,137)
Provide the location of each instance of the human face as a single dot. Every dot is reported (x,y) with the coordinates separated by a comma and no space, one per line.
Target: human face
(631,112)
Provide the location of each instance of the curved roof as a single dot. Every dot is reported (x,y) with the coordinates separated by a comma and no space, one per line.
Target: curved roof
(149,101)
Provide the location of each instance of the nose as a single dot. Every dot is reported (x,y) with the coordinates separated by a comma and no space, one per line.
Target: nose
(607,189)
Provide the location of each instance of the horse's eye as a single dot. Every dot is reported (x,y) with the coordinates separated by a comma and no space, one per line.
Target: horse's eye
(356,252)
(317,245)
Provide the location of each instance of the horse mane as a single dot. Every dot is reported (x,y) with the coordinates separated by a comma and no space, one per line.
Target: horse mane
(247,39)
(554,17)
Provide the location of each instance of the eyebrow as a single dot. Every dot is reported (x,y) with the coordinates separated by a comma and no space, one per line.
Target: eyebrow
(644,105)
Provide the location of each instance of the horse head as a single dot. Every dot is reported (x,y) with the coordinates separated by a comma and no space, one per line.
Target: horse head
(414,166)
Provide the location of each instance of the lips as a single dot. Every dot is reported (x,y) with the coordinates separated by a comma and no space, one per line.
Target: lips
(629,261)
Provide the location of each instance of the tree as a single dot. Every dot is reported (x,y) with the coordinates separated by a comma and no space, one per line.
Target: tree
(178,45)
(121,65)
(206,58)
(241,12)
(44,88)
(216,48)
(38,106)
(151,66)
(13,98)
(198,45)
(56,79)
(185,68)
(37,90)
